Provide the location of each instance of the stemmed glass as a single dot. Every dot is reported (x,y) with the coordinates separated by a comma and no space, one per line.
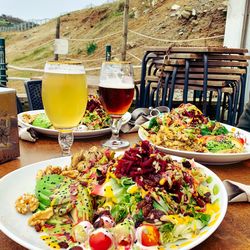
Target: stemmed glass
(116,90)
(64,95)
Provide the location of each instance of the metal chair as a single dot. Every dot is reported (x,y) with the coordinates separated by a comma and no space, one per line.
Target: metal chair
(33,91)
(206,70)
(19,105)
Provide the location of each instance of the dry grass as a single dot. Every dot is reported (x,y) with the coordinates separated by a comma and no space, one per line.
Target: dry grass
(34,47)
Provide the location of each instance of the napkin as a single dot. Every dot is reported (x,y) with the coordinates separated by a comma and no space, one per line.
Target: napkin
(237,192)
(140,116)
(27,134)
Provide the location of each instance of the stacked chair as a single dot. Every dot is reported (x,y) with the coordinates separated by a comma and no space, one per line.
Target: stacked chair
(213,74)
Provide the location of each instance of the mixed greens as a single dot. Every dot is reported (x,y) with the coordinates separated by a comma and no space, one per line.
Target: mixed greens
(95,116)
(186,128)
(142,198)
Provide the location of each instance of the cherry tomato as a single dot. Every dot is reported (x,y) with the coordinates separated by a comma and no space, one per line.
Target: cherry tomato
(99,241)
(150,236)
(98,190)
(241,140)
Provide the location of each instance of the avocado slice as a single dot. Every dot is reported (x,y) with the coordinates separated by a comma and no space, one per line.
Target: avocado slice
(84,206)
(59,220)
(42,121)
(64,192)
(45,188)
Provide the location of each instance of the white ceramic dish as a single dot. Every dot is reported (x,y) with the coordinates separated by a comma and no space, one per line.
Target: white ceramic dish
(78,134)
(16,227)
(208,158)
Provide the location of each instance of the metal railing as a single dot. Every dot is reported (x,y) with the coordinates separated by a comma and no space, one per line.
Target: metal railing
(24,25)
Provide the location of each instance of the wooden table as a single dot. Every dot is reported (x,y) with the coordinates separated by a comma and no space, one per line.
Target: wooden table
(233,233)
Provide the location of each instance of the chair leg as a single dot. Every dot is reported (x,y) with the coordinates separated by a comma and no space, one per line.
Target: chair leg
(218,104)
(159,86)
(242,95)
(210,98)
(19,105)
(143,74)
(230,105)
(146,94)
(185,91)
(151,99)
(137,98)
(235,103)
(195,96)
(223,107)
(165,90)
(171,95)
(234,98)
(204,94)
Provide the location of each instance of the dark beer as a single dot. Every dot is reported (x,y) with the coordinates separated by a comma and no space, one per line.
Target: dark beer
(116,101)
(116,90)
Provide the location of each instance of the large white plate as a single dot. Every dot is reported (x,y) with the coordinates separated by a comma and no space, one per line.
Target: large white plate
(208,158)
(78,134)
(15,225)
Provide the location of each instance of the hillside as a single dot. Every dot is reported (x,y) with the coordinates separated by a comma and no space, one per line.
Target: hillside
(169,20)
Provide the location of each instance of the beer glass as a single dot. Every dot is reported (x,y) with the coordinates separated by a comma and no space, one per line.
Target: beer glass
(64,95)
(116,90)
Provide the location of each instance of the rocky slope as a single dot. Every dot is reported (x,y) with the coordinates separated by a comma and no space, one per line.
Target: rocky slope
(176,20)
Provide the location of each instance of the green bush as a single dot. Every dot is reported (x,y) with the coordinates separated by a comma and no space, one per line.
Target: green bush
(120,6)
(131,14)
(91,47)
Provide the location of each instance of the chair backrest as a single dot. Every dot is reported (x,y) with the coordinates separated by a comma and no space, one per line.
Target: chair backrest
(33,90)
(201,70)
(19,105)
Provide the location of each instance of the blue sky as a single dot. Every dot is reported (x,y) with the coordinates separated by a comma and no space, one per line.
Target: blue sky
(40,9)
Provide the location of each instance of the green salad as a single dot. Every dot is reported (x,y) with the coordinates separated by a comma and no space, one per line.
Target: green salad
(186,128)
(95,116)
(142,198)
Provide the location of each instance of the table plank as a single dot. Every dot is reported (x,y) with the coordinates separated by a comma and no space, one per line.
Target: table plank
(233,233)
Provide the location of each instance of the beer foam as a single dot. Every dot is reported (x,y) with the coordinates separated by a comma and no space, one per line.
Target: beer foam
(117,83)
(64,68)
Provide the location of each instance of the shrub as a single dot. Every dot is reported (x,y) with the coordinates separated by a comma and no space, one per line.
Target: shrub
(131,14)
(120,6)
(91,47)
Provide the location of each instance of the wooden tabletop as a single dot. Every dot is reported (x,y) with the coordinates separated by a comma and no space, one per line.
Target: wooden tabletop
(233,233)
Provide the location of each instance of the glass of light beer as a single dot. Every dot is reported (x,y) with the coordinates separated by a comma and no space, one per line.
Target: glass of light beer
(116,90)
(64,95)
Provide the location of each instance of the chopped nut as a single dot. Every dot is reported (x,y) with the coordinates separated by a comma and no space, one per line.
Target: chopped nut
(81,166)
(27,118)
(49,170)
(70,173)
(41,217)
(26,203)
(82,160)
(76,158)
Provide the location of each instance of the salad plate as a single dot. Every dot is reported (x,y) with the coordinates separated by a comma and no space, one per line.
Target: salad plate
(15,225)
(208,158)
(80,132)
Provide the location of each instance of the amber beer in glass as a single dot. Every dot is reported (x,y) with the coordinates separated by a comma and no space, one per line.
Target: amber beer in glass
(116,90)
(116,101)
(64,95)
